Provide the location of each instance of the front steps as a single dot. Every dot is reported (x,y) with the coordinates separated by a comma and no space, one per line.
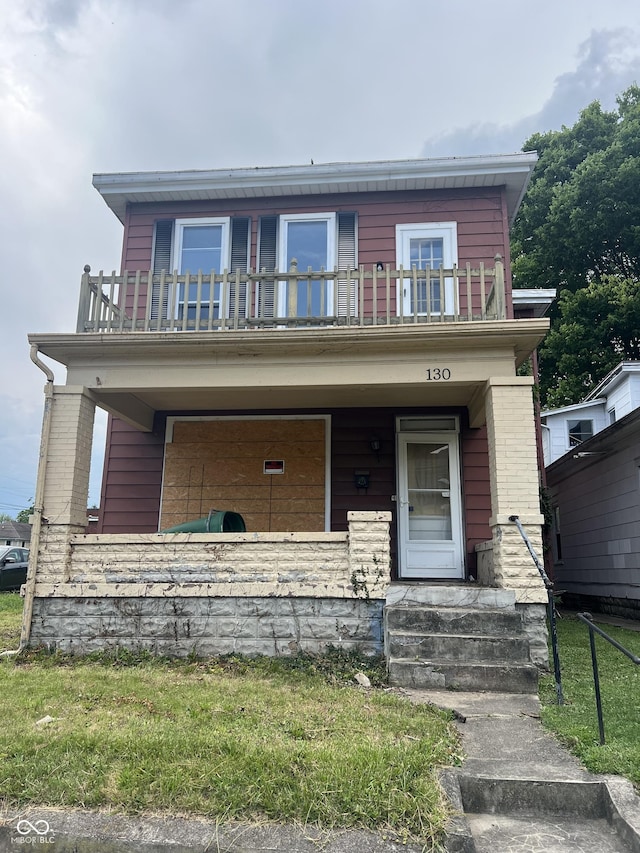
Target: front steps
(457,637)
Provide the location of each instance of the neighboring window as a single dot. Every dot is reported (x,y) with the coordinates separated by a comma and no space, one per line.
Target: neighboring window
(556,532)
(427,246)
(579,431)
(200,244)
(612,416)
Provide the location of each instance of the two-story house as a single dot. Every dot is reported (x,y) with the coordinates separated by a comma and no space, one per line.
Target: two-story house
(327,353)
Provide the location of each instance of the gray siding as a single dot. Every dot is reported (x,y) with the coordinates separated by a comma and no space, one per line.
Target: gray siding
(599,502)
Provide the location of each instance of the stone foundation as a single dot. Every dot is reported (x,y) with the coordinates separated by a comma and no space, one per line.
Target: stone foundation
(534,624)
(204,627)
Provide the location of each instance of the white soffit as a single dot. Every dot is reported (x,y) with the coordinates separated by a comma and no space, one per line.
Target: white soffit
(512,171)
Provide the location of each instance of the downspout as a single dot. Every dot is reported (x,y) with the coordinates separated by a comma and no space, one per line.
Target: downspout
(38,505)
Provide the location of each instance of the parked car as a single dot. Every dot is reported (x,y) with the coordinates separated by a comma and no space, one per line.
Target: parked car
(13,567)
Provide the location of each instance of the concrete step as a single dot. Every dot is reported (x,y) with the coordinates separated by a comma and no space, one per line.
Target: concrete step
(458,648)
(492,833)
(539,814)
(495,677)
(464,595)
(453,620)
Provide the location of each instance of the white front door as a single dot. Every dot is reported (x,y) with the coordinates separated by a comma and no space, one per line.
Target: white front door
(429,506)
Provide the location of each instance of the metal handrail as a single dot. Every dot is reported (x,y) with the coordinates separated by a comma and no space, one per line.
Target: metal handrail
(551,608)
(587,619)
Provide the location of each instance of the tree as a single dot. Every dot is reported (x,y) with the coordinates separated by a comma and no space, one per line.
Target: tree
(23,515)
(4,516)
(598,326)
(579,225)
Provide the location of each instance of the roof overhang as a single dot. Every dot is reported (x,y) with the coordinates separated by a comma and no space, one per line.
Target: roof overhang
(135,376)
(512,171)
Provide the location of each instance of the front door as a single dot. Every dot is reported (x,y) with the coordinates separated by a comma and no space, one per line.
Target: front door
(429,506)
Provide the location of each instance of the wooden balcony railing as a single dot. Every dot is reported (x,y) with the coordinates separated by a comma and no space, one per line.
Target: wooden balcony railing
(168,302)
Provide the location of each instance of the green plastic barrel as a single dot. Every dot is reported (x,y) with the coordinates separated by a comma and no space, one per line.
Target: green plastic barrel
(218,521)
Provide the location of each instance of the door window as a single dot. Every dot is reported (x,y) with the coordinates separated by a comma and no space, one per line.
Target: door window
(428,246)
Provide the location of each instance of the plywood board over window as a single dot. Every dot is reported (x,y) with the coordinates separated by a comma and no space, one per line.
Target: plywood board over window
(220,464)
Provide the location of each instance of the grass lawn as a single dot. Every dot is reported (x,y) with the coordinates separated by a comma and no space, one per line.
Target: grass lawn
(281,740)
(576,723)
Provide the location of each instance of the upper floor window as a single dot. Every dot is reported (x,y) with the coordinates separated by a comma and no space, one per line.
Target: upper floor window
(310,240)
(430,246)
(612,416)
(200,244)
(579,431)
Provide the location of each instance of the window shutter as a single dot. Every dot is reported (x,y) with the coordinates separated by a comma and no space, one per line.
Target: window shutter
(268,260)
(347,296)
(162,243)
(240,231)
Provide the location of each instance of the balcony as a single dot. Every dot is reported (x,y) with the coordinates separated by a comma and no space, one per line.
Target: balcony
(167,302)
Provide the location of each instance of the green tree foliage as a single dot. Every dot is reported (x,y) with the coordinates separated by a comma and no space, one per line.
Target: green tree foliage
(23,515)
(4,516)
(579,227)
(598,326)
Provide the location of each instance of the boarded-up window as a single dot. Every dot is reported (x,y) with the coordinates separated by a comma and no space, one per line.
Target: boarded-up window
(220,464)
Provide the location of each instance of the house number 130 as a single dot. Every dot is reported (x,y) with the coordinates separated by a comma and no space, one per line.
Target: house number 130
(436,374)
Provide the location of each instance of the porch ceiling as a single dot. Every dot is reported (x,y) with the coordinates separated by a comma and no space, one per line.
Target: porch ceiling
(134,376)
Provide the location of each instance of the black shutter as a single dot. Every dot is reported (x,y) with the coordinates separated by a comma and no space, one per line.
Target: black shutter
(240,232)
(347,260)
(162,245)
(267,260)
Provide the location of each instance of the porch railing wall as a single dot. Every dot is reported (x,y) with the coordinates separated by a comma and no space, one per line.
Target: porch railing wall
(168,302)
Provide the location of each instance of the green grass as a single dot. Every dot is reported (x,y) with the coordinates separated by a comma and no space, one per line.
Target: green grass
(288,740)
(576,722)
(10,616)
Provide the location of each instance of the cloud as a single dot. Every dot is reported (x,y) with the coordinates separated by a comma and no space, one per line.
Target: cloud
(608,63)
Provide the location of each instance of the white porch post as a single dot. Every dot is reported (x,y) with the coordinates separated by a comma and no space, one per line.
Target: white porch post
(514,486)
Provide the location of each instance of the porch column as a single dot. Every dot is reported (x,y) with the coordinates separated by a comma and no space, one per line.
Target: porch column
(64,469)
(514,486)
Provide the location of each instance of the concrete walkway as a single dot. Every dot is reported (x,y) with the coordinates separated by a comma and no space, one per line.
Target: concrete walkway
(520,792)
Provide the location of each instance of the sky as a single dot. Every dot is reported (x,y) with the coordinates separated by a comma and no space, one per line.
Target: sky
(131,85)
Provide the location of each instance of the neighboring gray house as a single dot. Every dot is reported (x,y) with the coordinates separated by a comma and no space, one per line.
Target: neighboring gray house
(15,533)
(592,455)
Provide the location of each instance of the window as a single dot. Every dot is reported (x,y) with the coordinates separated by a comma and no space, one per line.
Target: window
(315,240)
(556,533)
(310,240)
(427,246)
(200,244)
(193,245)
(579,431)
(612,416)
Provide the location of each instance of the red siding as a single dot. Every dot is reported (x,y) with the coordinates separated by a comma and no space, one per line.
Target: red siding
(132,480)
(482,227)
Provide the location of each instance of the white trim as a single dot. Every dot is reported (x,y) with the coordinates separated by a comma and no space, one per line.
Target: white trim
(456,548)
(172,420)
(448,232)
(197,222)
(513,171)
(283,262)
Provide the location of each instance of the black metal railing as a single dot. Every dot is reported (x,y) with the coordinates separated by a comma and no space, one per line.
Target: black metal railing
(593,629)
(551,608)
